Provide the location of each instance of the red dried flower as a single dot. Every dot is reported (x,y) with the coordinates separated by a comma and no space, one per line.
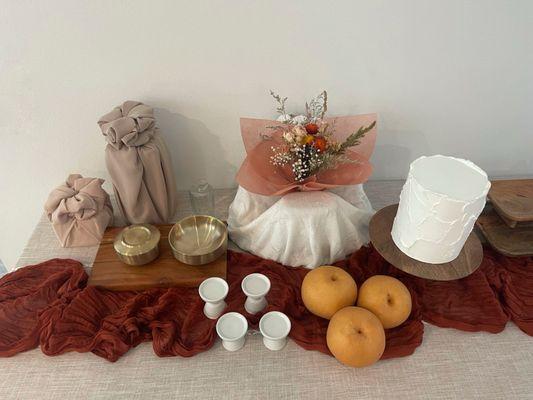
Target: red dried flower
(311,128)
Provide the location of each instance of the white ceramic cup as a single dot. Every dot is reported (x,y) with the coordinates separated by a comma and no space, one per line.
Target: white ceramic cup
(232,328)
(255,287)
(213,291)
(275,327)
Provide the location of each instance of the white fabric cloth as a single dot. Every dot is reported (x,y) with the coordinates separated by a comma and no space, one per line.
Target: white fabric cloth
(301,228)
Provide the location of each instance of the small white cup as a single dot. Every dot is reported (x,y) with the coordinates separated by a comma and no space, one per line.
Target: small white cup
(213,291)
(232,328)
(255,287)
(275,327)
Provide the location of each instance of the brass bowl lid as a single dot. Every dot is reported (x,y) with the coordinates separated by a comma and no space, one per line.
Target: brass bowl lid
(137,239)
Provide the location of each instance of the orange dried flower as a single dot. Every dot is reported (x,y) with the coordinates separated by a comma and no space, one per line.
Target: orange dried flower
(309,139)
(320,143)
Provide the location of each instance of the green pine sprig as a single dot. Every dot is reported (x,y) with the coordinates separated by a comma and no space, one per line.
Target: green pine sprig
(355,138)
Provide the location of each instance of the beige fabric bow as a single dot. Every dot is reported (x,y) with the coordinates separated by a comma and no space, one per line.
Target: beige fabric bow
(80,210)
(131,124)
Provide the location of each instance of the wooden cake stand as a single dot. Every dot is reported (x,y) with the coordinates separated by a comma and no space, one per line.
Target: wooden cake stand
(513,200)
(507,223)
(511,242)
(380,235)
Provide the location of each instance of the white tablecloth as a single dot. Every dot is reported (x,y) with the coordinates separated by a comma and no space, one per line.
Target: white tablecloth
(449,364)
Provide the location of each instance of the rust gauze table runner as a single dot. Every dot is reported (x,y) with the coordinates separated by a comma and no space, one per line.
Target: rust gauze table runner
(49,304)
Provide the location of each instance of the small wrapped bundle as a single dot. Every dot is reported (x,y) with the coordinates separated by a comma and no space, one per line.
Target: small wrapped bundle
(79,210)
(139,164)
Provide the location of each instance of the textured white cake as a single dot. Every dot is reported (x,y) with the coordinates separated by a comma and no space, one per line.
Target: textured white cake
(439,204)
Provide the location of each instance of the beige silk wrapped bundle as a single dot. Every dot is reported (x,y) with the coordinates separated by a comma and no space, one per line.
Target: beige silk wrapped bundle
(80,210)
(139,164)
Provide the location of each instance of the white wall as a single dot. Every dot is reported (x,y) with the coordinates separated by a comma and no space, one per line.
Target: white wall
(452,77)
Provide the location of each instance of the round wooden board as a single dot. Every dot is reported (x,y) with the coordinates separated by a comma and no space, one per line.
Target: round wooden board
(380,235)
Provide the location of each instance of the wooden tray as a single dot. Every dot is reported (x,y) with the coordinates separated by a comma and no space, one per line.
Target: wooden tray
(513,200)
(380,235)
(513,242)
(165,271)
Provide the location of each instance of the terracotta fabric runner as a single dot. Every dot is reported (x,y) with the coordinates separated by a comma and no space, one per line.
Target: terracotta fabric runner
(50,305)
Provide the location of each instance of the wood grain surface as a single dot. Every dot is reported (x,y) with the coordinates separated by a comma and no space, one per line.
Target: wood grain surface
(510,241)
(513,200)
(165,271)
(380,235)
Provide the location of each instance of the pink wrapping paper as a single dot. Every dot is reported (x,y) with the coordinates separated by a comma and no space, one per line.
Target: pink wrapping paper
(259,176)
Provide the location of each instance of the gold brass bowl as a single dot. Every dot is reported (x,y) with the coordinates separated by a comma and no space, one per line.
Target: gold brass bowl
(137,244)
(198,240)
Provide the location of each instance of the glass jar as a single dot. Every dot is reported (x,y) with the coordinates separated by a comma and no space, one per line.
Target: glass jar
(202,198)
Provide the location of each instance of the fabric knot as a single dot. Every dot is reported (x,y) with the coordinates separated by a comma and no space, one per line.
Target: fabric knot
(130,124)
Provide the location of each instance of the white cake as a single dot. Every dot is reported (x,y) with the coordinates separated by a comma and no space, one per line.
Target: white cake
(440,201)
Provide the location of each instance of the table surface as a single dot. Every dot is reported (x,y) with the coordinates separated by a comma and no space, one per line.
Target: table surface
(449,364)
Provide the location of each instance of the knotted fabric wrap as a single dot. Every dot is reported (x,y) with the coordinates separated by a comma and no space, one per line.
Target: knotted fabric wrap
(79,210)
(139,164)
(308,229)
(258,175)
(50,305)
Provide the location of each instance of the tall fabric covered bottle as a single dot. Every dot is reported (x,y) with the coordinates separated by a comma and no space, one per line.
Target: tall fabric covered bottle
(139,164)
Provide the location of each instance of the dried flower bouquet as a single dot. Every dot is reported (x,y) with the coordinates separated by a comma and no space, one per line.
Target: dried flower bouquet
(308,140)
(306,152)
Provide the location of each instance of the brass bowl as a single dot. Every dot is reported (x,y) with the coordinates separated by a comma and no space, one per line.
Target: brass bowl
(198,240)
(137,244)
